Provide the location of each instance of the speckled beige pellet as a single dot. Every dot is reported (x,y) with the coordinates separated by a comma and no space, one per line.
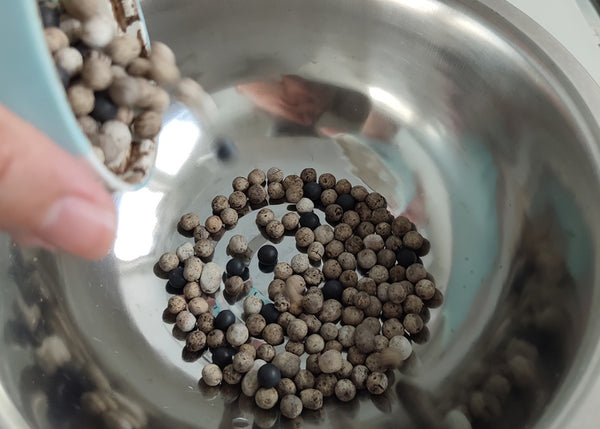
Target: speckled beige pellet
(312,399)
(304,237)
(256,194)
(231,376)
(353,245)
(195,341)
(379,274)
(168,261)
(412,304)
(351,218)
(291,406)
(292,180)
(238,245)
(234,285)
(237,200)
(281,302)
(314,343)
(282,271)
(345,390)
(264,216)
(377,383)
(275,191)
(147,125)
(205,322)
(415,273)
(257,177)
(204,248)
(185,321)
(252,305)
(56,39)
(229,217)
(413,323)
(176,304)
(192,290)
(349,278)
(288,363)
(355,356)
(81,99)
(265,352)
(275,229)
(189,221)
(290,221)
(364,212)
(343,186)
(192,268)
(266,398)
(295,347)
(329,331)
(275,174)
(331,312)
(425,289)
(315,251)
(212,375)
(294,194)
(333,213)
(256,324)
(330,361)
(342,231)
(332,269)
(328,197)
(198,306)
(273,334)
(237,334)
(215,338)
(297,330)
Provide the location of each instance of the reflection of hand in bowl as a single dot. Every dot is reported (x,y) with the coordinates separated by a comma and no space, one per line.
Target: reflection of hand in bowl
(293,98)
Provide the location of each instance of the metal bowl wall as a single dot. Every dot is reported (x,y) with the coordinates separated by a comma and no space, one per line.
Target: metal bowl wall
(466,116)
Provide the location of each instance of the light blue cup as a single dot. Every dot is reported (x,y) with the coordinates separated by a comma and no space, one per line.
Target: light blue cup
(31,88)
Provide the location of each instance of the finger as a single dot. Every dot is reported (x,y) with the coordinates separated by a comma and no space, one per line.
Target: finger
(47,197)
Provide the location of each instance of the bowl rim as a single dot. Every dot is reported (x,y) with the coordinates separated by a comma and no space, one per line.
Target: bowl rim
(581,89)
(576,409)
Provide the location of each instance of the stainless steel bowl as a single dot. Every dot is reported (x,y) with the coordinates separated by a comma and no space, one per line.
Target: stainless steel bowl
(464,114)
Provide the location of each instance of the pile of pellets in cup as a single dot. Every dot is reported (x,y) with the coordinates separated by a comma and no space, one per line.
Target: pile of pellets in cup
(115,88)
(353,301)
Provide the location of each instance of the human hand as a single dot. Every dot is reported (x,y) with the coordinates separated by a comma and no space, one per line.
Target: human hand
(47,197)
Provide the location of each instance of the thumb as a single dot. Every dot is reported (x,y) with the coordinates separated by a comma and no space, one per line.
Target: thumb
(47,197)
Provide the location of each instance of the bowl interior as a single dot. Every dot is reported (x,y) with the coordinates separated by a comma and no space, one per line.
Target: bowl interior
(447,110)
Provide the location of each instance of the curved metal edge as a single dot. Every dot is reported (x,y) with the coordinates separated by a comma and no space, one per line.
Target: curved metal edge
(578,409)
(10,417)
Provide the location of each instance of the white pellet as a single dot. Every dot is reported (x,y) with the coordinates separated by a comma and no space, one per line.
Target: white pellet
(305,205)
(185,251)
(402,344)
(69,59)
(210,280)
(97,32)
(252,305)
(185,321)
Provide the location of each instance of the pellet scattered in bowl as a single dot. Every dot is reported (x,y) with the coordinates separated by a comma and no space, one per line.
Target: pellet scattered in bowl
(212,375)
(375,284)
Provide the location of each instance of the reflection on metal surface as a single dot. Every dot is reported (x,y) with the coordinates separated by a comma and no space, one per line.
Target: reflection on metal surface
(404,112)
(464,136)
(134,238)
(180,133)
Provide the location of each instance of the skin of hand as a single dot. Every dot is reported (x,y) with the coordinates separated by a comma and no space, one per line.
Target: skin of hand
(49,198)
